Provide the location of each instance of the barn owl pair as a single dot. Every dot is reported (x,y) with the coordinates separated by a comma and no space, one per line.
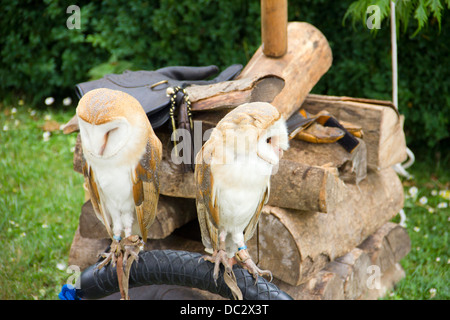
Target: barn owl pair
(122,156)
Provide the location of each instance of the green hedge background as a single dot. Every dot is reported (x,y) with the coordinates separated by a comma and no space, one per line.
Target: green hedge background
(41,57)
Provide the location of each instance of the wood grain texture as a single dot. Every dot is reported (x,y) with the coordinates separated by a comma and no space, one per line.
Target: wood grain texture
(274,27)
(309,240)
(349,276)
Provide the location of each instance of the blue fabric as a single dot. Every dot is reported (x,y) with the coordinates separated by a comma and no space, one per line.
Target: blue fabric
(68,292)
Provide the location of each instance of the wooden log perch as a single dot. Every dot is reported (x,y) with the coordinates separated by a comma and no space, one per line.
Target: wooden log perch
(309,240)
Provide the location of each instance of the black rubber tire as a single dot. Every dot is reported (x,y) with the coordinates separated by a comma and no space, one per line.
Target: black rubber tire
(175,268)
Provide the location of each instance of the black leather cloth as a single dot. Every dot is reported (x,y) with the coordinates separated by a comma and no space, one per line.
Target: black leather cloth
(154,100)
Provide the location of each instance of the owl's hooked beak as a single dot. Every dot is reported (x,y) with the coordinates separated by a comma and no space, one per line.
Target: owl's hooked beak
(274,142)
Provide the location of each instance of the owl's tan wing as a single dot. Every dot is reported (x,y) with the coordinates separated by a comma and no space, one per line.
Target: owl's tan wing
(207,206)
(251,227)
(146,185)
(89,178)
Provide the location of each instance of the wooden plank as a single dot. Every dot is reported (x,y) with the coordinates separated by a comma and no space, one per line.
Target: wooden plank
(382,126)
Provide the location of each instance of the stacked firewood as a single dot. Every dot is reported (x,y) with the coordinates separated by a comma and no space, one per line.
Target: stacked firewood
(325,232)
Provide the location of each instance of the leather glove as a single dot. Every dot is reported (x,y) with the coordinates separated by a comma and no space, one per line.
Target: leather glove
(149,87)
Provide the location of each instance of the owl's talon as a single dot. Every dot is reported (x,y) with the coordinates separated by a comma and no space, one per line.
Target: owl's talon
(132,245)
(219,257)
(111,256)
(247,263)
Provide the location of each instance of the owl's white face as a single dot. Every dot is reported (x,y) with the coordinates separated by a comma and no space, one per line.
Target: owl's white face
(106,140)
(272,143)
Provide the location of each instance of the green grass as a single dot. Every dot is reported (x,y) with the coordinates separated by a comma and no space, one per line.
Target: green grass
(40,201)
(41,197)
(427,208)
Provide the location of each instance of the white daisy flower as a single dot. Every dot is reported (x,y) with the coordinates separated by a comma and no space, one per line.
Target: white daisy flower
(442,205)
(423,200)
(67,101)
(49,101)
(413,191)
(46,136)
(61,266)
(432,292)
(445,194)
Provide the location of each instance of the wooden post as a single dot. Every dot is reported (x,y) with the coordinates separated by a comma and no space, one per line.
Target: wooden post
(274,27)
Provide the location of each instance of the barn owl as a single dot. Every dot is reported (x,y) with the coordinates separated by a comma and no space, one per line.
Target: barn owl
(121,159)
(232,176)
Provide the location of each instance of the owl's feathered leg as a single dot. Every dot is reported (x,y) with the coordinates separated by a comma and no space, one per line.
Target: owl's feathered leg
(220,257)
(243,258)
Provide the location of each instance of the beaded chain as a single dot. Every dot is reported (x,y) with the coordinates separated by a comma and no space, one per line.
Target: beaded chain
(172,93)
